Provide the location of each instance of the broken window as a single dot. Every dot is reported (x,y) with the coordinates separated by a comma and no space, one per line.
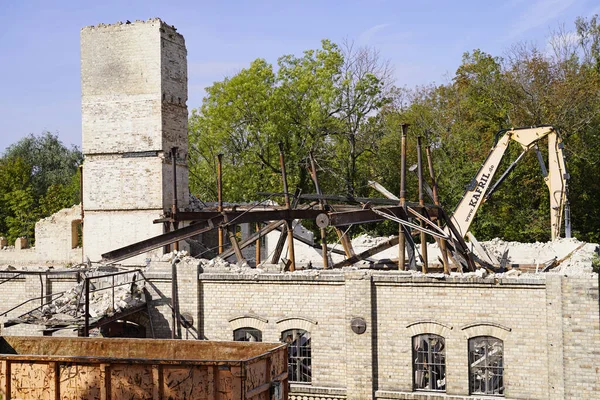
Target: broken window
(429,362)
(76,234)
(247,335)
(486,365)
(299,355)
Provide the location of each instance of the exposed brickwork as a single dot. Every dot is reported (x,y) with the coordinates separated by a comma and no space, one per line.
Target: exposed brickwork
(401,302)
(276,298)
(359,347)
(581,338)
(134,94)
(549,325)
(57,237)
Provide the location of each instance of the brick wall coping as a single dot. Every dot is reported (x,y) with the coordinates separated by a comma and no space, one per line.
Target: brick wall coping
(468,281)
(271,277)
(317,390)
(389,395)
(391,277)
(249,316)
(506,328)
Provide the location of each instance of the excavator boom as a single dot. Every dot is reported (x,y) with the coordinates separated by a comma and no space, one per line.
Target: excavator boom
(556,179)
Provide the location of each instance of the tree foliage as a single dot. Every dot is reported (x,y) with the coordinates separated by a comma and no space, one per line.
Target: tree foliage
(320,102)
(38,176)
(527,87)
(339,103)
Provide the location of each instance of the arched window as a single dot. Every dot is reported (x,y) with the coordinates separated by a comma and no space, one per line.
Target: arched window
(486,365)
(429,362)
(247,335)
(299,362)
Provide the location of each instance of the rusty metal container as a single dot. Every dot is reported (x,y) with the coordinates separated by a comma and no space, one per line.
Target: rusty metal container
(90,368)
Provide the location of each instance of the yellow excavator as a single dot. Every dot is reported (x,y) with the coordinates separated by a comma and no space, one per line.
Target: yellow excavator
(555,176)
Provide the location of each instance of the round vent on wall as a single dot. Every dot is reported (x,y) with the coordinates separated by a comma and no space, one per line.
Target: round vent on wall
(358,325)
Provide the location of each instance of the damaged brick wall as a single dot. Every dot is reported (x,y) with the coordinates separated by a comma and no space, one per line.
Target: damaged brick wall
(549,325)
(57,237)
(134,94)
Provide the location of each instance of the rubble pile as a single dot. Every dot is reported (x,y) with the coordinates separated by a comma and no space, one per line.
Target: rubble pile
(101,302)
(564,256)
(571,255)
(69,308)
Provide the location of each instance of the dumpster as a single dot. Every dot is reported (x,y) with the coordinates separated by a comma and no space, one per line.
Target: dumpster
(103,369)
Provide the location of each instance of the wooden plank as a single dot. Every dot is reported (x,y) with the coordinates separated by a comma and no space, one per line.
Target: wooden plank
(481,251)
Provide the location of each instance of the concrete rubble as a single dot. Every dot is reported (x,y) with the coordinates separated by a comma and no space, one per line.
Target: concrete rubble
(69,308)
(569,257)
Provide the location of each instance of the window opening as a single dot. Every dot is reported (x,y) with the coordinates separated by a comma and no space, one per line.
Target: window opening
(429,362)
(76,234)
(299,355)
(247,335)
(486,366)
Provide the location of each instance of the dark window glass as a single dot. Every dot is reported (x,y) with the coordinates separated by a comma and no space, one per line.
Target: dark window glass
(429,362)
(299,356)
(247,335)
(486,366)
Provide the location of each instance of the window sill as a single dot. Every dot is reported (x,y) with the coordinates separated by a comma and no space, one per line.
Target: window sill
(324,392)
(430,395)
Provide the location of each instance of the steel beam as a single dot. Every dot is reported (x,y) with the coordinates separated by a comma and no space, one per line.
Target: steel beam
(161,240)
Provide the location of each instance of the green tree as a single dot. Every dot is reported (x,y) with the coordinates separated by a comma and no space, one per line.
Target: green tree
(529,87)
(38,176)
(365,88)
(51,162)
(246,116)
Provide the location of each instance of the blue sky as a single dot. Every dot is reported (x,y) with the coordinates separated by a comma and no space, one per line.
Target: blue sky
(423,40)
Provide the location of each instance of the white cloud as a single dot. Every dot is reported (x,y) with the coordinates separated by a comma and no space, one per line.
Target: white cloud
(539,13)
(365,37)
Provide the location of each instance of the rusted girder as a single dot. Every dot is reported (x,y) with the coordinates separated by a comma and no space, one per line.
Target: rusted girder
(368,253)
(343,199)
(255,236)
(240,217)
(161,240)
(368,215)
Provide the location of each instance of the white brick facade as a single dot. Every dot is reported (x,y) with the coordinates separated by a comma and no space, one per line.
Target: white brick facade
(134,94)
(549,325)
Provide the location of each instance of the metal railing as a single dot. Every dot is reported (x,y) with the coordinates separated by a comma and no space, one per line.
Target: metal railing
(86,291)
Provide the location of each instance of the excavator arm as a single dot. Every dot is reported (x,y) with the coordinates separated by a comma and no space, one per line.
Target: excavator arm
(556,179)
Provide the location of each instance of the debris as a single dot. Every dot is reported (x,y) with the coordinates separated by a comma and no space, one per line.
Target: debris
(480,250)
(481,273)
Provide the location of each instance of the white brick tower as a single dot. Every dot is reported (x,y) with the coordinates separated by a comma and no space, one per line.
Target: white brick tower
(134,94)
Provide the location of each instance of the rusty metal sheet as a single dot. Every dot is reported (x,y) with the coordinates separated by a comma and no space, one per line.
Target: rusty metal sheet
(227,385)
(90,369)
(256,374)
(131,381)
(30,380)
(183,383)
(80,381)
